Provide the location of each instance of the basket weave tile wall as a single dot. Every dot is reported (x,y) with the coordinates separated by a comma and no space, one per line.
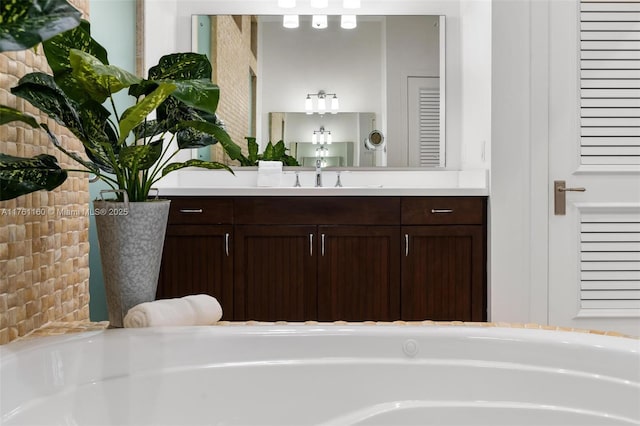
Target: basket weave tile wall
(44,236)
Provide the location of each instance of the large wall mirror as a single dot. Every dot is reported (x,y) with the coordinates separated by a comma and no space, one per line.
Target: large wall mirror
(386,74)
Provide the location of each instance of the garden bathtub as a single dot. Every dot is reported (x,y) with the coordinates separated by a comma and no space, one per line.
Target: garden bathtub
(321,374)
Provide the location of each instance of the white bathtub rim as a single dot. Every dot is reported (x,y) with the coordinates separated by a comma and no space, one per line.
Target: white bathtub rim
(15,351)
(593,340)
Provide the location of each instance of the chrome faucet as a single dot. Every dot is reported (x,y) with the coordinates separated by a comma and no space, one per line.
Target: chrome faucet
(318,173)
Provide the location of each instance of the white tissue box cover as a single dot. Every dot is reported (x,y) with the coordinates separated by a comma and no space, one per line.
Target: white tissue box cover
(269,173)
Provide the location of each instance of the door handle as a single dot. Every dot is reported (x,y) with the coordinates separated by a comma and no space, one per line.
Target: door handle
(560,196)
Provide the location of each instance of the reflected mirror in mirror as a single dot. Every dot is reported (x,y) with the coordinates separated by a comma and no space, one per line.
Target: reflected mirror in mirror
(387,73)
(334,138)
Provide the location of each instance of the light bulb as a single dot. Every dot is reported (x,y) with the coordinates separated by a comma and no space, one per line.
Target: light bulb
(329,139)
(348,22)
(286,4)
(308,105)
(335,104)
(319,21)
(290,21)
(322,105)
(321,138)
(314,138)
(319,4)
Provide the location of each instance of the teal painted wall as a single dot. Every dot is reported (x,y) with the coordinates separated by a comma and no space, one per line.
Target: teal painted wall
(113,24)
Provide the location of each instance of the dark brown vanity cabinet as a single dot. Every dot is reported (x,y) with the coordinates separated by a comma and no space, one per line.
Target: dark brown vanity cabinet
(316,258)
(358,270)
(330,258)
(197,254)
(443,266)
(275,273)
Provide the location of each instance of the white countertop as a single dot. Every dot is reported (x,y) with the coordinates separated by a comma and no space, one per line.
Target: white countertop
(196,182)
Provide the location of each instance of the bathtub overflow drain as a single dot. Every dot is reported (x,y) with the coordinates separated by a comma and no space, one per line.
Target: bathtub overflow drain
(410,348)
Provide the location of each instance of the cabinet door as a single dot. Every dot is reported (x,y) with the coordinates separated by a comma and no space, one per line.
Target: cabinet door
(443,273)
(197,259)
(275,272)
(358,271)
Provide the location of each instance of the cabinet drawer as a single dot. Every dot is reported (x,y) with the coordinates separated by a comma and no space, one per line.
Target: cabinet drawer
(200,210)
(318,210)
(443,211)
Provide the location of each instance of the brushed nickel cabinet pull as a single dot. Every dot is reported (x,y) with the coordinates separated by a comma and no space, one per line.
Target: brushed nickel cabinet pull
(441,211)
(406,245)
(310,244)
(322,244)
(190,210)
(226,243)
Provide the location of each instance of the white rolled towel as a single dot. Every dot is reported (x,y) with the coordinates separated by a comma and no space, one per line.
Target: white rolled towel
(198,309)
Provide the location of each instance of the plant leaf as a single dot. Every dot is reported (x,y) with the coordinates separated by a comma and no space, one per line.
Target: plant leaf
(199,94)
(71,154)
(191,73)
(57,48)
(19,176)
(57,51)
(136,114)
(279,150)
(97,79)
(25,23)
(231,148)
(181,66)
(252,147)
(42,92)
(8,114)
(101,144)
(195,163)
(267,154)
(141,157)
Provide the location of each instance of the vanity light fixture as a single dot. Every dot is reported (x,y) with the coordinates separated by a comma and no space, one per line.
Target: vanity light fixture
(348,22)
(290,21)
(322,153)
(322,103)
(319,22)
(319,4)
(286,4)
(321,137)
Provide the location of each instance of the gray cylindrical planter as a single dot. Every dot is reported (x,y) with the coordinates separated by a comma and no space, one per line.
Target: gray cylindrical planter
(131,237)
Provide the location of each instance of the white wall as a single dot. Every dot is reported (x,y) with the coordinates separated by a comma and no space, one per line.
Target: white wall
(510,203)
(475,18)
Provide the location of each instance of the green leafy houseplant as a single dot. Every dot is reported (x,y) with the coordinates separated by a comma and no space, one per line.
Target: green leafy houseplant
(277,152)
(127,150)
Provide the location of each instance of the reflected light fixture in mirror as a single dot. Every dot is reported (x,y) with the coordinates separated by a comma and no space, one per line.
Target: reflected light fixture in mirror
(322,103)
(348,22)
(321,136)
(290,21)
